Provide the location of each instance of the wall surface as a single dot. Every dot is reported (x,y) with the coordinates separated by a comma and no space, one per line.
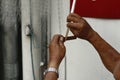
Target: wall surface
(35,21)
(82,62)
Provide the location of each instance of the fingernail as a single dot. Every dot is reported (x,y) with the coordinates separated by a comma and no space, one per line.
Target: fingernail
(61,39)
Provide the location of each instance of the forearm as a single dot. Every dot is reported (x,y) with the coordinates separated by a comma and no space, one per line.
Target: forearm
(57,52)
(51,76)
(108,54)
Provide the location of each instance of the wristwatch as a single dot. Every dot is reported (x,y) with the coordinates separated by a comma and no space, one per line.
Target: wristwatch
(51,69)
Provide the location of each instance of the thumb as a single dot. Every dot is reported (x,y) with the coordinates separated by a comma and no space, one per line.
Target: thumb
(61,41)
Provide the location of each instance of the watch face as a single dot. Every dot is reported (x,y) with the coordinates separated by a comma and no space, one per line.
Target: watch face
(98,8)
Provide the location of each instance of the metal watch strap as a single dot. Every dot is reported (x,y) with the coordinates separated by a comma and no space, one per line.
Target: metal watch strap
(51,69)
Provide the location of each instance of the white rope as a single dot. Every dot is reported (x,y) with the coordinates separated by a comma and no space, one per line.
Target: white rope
(72,10)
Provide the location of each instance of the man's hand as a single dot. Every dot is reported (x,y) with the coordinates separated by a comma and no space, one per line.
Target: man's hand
(79,27)
(109,56)
(57,51)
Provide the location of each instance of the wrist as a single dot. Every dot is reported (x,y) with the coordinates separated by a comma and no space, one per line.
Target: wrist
(53,72)
(93,37)
(53,64)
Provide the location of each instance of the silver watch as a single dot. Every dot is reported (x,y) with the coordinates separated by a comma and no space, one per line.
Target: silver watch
(51,69)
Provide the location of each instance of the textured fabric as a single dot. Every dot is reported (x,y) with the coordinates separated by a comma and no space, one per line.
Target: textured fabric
(98,8)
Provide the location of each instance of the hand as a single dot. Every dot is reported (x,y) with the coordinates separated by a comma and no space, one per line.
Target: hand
(79,27)
(116,71)
(57,51)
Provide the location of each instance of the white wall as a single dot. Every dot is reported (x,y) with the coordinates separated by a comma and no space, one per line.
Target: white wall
(36,14)
(82,61)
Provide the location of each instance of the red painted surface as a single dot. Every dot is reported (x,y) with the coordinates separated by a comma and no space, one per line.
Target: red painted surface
(98,8)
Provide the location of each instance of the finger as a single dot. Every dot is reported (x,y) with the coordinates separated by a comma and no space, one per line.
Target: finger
(73,25)
(75,15)
(72,19)
(56,39)
(61,41)
(74,31)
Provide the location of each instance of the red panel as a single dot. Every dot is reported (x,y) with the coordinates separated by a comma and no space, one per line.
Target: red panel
(98,8)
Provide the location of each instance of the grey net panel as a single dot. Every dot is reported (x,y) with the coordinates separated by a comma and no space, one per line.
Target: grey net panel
(10,63)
